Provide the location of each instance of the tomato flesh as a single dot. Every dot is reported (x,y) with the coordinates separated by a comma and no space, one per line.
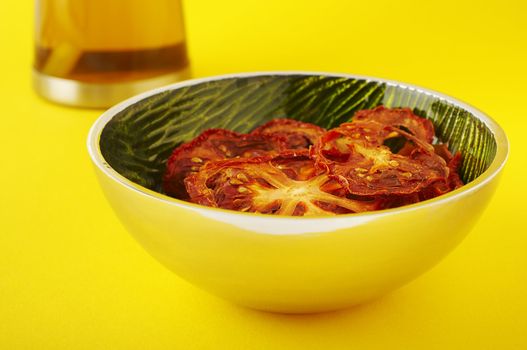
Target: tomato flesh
(298,135)
(288,184)
(383,158)
(214,144)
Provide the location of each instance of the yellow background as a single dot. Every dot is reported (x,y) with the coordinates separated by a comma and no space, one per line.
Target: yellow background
(72,278)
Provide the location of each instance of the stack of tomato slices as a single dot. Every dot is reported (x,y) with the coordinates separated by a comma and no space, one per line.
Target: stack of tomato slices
(383,158)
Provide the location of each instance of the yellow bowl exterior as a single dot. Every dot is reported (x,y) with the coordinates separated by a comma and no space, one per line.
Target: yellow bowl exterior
(290,265)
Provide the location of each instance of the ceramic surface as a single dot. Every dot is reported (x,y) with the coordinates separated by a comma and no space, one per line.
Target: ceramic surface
(288,264)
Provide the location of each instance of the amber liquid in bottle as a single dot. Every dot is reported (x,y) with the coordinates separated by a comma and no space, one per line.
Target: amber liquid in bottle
(109,42)
(118,66)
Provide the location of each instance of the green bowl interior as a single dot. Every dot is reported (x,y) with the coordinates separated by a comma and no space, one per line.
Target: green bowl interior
(137,141)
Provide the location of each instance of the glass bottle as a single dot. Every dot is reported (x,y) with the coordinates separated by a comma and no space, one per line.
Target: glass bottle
(95,53)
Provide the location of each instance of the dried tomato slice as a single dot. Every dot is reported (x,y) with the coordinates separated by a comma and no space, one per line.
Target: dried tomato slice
(288,184)
(355,155)
(402,118)
(213,144)
(382,159)
(298,135)
(454,180)
(395,201)
(436,188)
(453,163)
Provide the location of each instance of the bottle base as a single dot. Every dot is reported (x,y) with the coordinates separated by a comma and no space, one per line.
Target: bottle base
(93,95)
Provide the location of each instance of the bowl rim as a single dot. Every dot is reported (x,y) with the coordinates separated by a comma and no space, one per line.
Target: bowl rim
(497,164)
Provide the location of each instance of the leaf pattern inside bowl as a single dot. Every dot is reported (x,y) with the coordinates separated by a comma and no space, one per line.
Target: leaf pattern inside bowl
(139,139)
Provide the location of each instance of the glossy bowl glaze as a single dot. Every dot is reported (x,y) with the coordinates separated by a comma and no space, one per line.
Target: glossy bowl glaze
(288,264)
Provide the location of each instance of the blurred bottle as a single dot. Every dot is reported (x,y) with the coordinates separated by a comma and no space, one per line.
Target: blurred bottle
(95,53)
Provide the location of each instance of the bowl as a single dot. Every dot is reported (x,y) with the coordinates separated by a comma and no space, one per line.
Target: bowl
(288,264)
